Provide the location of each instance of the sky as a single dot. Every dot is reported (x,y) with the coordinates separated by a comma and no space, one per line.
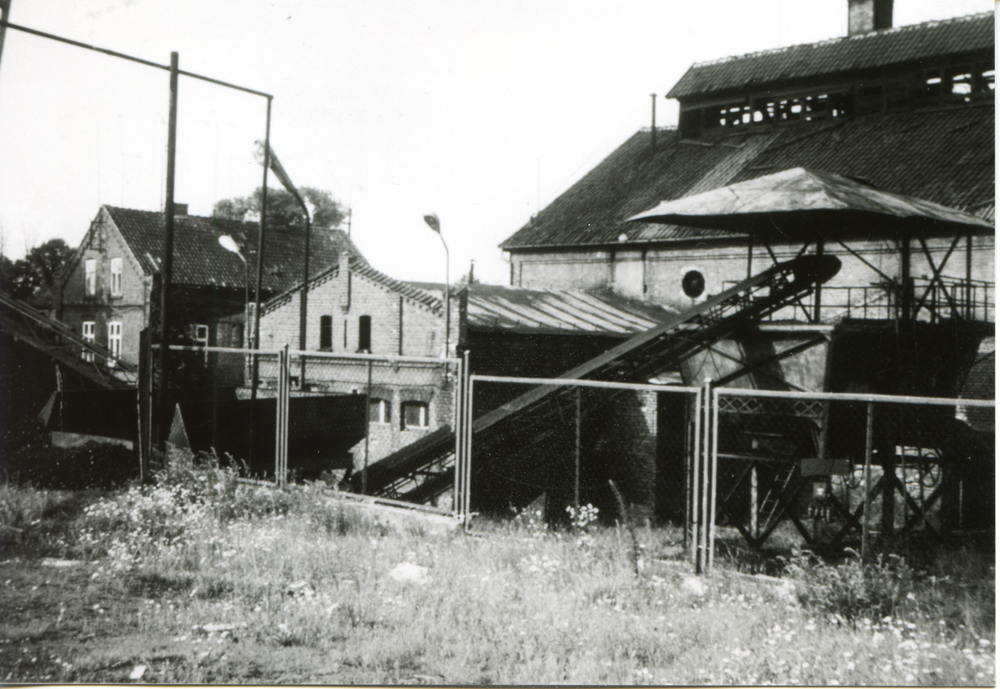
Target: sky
(481,112)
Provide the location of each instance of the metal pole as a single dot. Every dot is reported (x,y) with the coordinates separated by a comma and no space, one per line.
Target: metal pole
(754,526)
(279,426)
(869,447)
(696,482)
(817,314)
(458,400)
(968,276)
(447,294)
(713,483)
(368,422)
(576,474)
(260,274)
(468,450)
(166,271)
(4,17)
(302,304)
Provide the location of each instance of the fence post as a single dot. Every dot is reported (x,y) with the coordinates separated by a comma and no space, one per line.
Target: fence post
(576,455)
(703,562)
(283,400)
(869,447)
(368,422)
(713,424)
(467,488)
(695,483)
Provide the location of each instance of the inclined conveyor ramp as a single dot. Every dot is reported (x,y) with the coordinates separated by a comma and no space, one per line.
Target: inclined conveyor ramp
(424,469)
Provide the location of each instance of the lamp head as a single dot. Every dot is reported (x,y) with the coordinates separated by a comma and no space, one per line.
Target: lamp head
(432,221)
(229,244)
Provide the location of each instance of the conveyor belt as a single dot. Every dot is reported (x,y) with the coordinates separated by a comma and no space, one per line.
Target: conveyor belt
(424,469)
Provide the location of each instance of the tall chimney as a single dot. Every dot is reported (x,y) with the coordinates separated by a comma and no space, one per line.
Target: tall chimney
(865,16)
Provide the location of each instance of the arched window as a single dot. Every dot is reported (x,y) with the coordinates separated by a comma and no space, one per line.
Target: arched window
(326,333)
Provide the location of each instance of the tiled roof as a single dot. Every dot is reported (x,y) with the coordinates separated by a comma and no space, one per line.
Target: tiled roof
(512,309)
(199,260)
(901,45)
(358,266)
(945,156)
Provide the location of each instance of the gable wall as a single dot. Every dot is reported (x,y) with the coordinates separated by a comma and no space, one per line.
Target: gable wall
(103,243)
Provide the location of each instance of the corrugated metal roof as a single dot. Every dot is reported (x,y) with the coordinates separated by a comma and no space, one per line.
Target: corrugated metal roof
(512,309)
(945,156)
(200,261)
(877,49)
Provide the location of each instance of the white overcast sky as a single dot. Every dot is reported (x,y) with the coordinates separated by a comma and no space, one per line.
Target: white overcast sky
(482,112)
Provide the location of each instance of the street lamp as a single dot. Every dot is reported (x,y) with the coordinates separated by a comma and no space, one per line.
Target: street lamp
(229,244)
(435,224)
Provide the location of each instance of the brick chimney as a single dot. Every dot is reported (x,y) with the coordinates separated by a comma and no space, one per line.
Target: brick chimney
(865,16)
(180,209)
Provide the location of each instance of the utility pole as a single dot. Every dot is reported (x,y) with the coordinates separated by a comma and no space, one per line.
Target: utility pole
(4,17)
(166,270)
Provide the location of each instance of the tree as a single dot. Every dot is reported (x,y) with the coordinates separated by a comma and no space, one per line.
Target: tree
(34,276)
(283,209)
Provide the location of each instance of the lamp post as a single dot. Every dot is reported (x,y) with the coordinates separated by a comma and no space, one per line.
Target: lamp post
(435,224)
(229,244)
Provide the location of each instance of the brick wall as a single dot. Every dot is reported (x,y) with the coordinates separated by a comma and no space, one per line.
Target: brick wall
(131,308)
(656,274)
(400,326)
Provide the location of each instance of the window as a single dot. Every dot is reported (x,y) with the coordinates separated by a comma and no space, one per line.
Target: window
(116,277)
(89,334)
(114,341)
(415,415)
(379,411)
(326,333)
(365,334)
(693,283)
(199,333)
(90,274)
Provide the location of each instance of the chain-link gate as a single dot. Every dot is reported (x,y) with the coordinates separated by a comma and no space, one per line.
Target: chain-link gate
(553,444)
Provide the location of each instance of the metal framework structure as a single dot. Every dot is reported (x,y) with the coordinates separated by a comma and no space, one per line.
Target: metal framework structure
(636,361)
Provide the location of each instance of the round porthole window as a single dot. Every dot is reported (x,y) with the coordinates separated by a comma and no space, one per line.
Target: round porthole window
(693,283)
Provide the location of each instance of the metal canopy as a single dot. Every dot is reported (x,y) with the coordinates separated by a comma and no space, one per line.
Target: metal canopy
(809,205)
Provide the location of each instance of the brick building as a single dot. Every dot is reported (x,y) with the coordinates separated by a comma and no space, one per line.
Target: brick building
(353,308)
(110,290)
(908,109)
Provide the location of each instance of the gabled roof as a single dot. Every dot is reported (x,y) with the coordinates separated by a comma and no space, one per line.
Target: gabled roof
(945,156)
(358,266)
(199,260)
(878,49)
(555,311)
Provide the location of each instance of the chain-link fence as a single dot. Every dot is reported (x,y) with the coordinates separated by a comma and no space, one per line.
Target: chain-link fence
(552,444)
(831,470)
(283,415)
(843,469)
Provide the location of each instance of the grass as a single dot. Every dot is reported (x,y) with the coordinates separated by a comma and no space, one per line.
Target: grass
(202,579)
